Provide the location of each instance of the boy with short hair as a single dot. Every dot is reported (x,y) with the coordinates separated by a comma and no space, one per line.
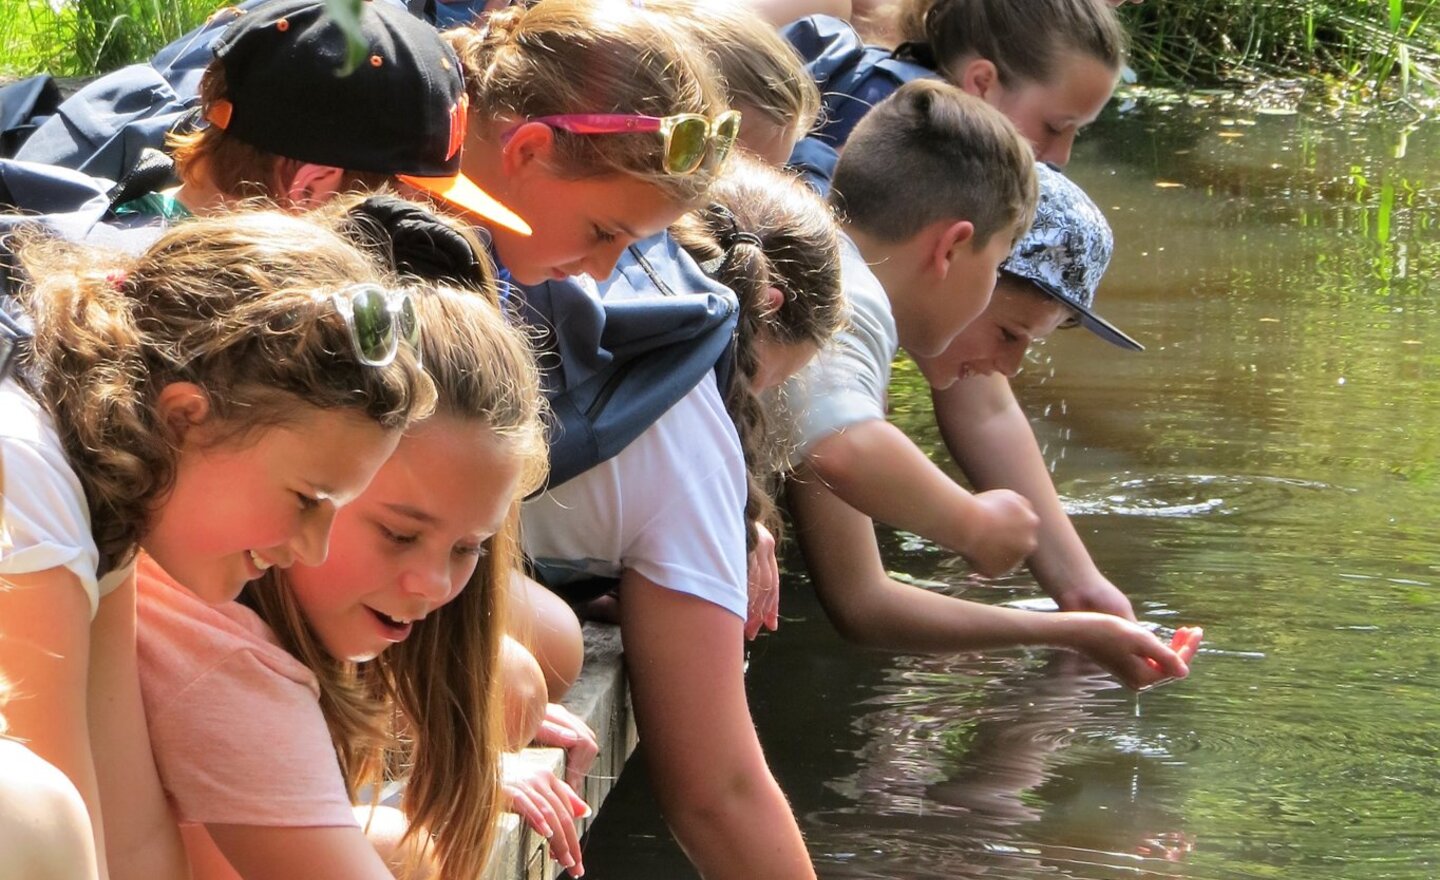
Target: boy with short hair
(935,187)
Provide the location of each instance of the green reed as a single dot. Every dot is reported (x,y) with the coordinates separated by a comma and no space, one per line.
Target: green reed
(89,37)
(1365,47)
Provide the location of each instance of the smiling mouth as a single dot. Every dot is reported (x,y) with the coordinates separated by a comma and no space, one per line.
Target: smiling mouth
(394,628)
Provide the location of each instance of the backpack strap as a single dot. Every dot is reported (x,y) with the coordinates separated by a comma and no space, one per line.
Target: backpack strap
(152,172)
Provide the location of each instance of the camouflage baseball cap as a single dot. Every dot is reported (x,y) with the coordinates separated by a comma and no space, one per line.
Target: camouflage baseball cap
(1066,251)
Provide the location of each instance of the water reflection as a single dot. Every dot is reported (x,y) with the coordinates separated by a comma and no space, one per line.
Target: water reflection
(1267,469)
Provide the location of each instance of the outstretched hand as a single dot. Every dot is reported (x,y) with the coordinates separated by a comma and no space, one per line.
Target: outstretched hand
(547,804)
(1130,652)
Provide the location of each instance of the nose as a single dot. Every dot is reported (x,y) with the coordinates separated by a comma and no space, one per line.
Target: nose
(1009,360)
(312,543)
(429,580)
(1057,149)
(602,261)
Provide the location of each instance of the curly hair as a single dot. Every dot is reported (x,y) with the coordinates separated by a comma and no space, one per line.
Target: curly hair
(233,304)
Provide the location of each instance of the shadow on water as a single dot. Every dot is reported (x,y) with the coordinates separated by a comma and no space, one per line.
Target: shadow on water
(1267,469)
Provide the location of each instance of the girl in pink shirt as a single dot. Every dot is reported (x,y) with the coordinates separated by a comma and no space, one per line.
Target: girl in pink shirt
(385,655)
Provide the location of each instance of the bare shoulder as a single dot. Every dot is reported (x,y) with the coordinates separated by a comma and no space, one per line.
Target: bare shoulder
(44,828)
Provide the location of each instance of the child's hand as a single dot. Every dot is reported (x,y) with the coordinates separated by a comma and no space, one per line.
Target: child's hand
(1127,650)
(562,730)
(547,804)
(764,606)
(1003,533)
(1094,594)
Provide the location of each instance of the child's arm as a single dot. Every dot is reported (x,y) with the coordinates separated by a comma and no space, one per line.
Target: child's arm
(687,682)
(989,436)
(868,607)
(45,654)
(44,826)
(259,852)
(873,467)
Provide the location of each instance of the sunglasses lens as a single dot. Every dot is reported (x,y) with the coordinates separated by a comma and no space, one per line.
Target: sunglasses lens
(410,324)
(374,326)
(688,142)
(727,130)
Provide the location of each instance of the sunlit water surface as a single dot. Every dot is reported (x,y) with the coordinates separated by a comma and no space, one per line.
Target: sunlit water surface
(1267,469)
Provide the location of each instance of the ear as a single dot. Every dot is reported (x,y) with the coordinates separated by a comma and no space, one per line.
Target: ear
(950,237)
(182,407)
(771,299)
(978,77)
(526,146)
(313,185)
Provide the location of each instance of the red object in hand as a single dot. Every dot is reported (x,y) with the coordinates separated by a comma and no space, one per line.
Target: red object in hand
(1185,643)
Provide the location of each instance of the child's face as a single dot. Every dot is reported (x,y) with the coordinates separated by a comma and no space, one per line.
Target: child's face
(580,226)
(1050,114)
(771,143)
(411,542)
(265,499)
(958,299)
(996,341)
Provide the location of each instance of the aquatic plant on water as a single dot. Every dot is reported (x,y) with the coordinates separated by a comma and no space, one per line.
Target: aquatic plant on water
(1364,48)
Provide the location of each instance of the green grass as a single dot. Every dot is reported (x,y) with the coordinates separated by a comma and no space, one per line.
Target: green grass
(88,37)
(1368,49)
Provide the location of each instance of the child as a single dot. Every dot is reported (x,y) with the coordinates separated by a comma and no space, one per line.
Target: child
(897,174)
(763,75)
(221,446)
(1049,65)
(280,122)
(599,122)
(785,269)
(667,516)
(398,633)
(533,75)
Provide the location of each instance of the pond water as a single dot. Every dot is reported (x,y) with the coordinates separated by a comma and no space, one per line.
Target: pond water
(1267,469)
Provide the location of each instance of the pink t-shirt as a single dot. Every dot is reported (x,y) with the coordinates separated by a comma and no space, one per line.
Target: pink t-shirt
(235,720)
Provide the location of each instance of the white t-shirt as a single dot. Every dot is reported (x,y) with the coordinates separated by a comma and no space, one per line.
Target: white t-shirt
(45,522)
(670,506)
(848,380)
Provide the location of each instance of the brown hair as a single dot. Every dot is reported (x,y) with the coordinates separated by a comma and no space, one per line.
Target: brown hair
(928,153)
(762,72)
(230,303)
(790,242)
(428,709)
(591,56)
(1024,39)
(212,157)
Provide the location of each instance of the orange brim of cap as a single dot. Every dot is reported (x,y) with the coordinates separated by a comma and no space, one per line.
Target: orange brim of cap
(461,192)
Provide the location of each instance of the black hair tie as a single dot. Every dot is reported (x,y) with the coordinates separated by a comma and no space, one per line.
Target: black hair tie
(729,235)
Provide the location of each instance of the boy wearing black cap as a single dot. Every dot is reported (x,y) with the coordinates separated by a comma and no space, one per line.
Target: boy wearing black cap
(287,123)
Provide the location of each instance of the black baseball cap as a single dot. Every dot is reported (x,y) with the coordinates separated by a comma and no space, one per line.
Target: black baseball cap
(401,111)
